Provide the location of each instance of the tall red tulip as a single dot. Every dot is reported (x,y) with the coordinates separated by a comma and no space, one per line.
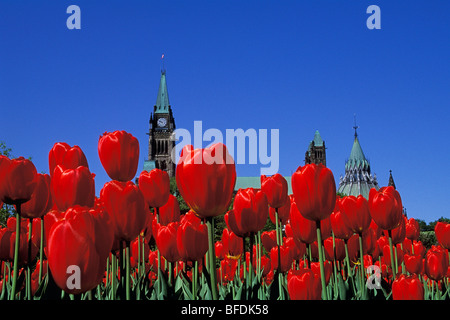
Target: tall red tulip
(340,229)
(192,238)
(232,244)
(412,229)
(72,187)
(18,180)
(399,233)
(67,156)
(155,186)
(78,247)
(413,263)
(269,239)
(436,263)
(407,288)
(442,231)
(126,206)
(206,179)
(302,228)
(170,211)
(276,190)
(283,213)
(119,154)
(314,190)
(304,285)
(41,200)
(355,213)
(286,258)
(386,207)
(166,241)
(249,214)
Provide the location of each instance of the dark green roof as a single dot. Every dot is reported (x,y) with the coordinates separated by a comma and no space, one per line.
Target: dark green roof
(162,101)
(357,158)
(318,142)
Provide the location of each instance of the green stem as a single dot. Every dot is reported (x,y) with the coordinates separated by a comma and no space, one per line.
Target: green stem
(113,275)
(28,284)
(361,257)
(322,270)
(16,253)
(41,251)
(128,273)
(277,232)
(394,271)
(250,267)
(212,257)
(194,280)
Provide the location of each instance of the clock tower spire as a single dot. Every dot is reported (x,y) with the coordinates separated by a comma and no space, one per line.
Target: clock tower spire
(162,126)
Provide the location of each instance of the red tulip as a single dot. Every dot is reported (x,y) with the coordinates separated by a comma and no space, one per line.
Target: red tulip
(192,238)
(285,257)
(233,245)
(302,228)
(276,190)
(18,180)
(413,263)
(228,269)
(206,179)
(70,187)
(387,254)
(407,288)
(297,248)
(304,285)
(269,239)
(340,229)
(66,156)
(126,207)
(119,155)
(314,191)
(249,214)
(386,207)
(41,200)
(315,267)
(78,247)
(442,231)
(339,249)
(283,213)
(412,229)
(170,211)
(218,250)
(398,234)
(166,241)
(155,186)
(436,263)
(355,213)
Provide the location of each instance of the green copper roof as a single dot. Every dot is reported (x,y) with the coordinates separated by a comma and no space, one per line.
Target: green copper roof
(318,142)
(162,101)
(357,158)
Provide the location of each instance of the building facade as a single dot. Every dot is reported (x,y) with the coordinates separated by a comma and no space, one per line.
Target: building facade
(316,151)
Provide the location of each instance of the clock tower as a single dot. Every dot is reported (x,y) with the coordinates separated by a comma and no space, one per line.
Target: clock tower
(162,126)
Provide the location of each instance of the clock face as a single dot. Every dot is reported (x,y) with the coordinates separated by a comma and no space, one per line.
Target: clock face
(162,122)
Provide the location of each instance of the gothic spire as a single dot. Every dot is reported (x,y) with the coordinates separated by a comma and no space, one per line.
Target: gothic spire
(391,180)
(162,100)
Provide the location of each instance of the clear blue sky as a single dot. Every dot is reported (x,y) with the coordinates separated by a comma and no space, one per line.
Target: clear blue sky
(296,66)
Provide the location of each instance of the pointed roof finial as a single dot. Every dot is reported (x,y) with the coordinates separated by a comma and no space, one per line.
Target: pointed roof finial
(163,70)
(355,126)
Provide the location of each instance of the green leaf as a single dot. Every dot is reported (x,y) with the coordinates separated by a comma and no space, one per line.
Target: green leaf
(41,290)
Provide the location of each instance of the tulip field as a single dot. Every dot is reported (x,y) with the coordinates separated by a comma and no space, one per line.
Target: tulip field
(132,243)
